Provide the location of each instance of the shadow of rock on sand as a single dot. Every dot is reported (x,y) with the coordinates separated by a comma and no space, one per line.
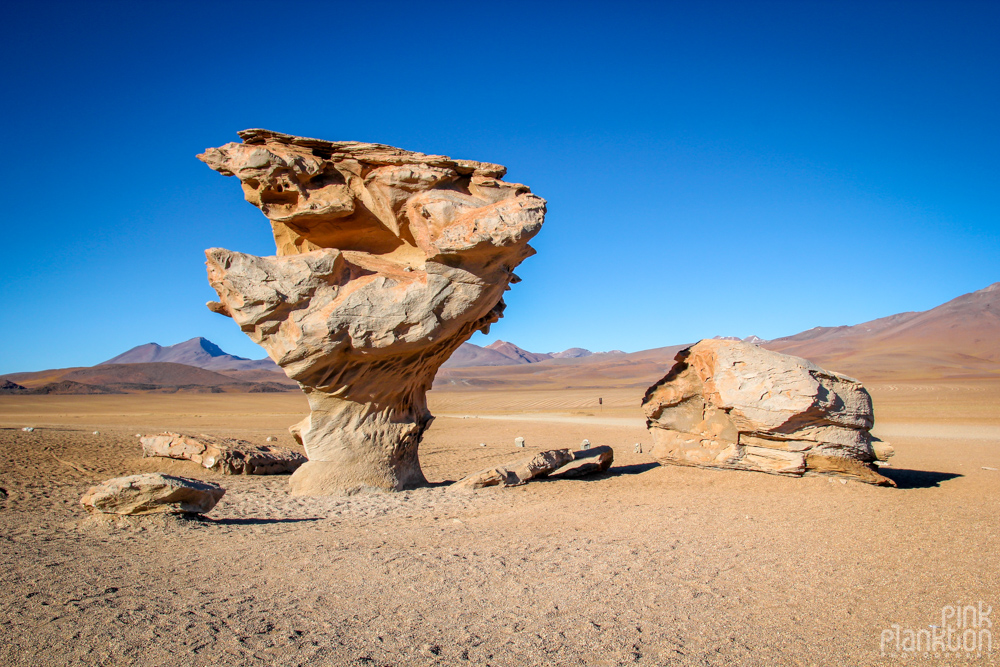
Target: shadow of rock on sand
(250,520)
(633,469)
(613,471)
(917,479)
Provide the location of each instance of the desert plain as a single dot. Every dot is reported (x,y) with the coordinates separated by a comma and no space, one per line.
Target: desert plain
(643,565)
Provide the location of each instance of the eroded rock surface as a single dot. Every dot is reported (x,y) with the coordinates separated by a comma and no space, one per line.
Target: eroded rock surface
(729,404)
(387,260)
(588,462)
(561,462)
(227,455)
(518,472)
(152,493)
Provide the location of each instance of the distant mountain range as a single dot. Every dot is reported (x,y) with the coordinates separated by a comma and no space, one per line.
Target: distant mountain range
(199,352)
(151,377)
(959,339)
(502,353)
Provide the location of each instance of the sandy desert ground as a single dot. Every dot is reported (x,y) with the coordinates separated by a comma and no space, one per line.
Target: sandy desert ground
(644,565)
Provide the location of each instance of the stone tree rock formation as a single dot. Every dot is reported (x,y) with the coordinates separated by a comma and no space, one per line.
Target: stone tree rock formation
(729,404)
(387,260)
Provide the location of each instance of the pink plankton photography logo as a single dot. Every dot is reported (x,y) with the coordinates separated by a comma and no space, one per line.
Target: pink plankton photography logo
(966,632)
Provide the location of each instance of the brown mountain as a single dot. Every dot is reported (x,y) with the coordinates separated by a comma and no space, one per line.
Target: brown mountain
(199,352)
(500,353)
(957,340)
(143,377)
(600,369)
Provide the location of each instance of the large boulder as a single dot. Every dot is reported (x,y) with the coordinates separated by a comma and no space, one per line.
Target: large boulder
(387,261)
(152,493)
(729,404)
(226,455)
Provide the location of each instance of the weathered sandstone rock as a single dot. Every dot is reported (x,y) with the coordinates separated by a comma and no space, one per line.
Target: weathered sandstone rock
(152,493)
(561,462)
(227,455)
(387,260)
(729,404)
(518,472)
(588,462)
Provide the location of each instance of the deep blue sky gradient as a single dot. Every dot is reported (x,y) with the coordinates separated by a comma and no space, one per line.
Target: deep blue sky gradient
(711,168)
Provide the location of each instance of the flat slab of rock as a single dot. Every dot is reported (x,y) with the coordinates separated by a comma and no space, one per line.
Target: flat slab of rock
(518,472)
(563,462)
(226,455)
(729,404)
(152,493)
(588,462)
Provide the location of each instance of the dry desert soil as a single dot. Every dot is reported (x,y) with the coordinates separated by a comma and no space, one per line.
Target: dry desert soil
(644,565)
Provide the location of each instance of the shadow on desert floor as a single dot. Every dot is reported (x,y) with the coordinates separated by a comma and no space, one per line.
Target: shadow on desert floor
(903,477)
(633,469)
(251,520)
(917,479)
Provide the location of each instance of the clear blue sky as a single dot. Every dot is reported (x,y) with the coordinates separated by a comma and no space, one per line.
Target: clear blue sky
(711,168)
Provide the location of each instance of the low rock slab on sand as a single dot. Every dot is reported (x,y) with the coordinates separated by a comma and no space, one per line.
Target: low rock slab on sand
(226,455)
(588,462)
(729,404)
(152,493)
(541,464)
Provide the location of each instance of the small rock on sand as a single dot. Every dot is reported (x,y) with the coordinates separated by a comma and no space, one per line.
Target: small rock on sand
(519,442)
(561,462)
(152,493)
(588,462)
(518,472)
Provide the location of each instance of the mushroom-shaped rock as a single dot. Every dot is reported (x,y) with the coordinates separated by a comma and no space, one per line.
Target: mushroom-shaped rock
(152,493)
(387,260)
(729,404)
(226,455)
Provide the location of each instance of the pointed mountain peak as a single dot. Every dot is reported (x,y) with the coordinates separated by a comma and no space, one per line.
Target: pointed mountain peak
(199,352)
(203,344)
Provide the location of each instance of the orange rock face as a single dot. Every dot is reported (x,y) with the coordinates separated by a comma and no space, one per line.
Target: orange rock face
(387,260)
(729,404)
